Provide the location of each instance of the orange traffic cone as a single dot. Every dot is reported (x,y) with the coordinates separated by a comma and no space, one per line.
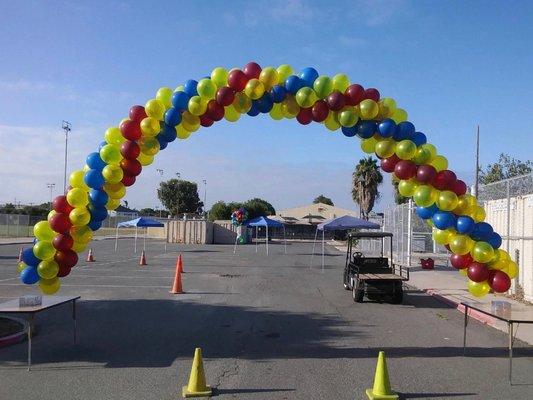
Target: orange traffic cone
(90,257)
(20,254)
(179,264)
(142,261)
(176,287)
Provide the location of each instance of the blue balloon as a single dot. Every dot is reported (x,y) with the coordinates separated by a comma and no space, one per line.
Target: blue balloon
(97,213)
(102,144)
(98,197)
(278,93)
(180,100)
(173,116)
(293,84)
(94,179)
(168,133)
(94,225)
(482,231)
(29,275)
(404,130)
(94,161)
(349,131)
(265,103)
(366,129)
(308,75)
(465,225)
(426,212)
(29,258)
(419,138)
(495,240)
(387,127)
(190,87)
(443,220)
(254,110)
(162,142)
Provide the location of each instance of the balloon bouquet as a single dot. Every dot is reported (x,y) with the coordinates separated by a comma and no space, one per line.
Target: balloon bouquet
(423,174)
(238,217)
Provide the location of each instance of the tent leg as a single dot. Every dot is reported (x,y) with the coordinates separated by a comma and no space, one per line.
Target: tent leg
(313,252)
(267,239)
(235,245)
(284,239)
(256,239)
(116,240)
(144,243)
(323,250)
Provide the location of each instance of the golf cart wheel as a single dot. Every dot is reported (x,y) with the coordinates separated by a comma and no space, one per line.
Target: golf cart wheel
(397,297)
(344,283)
(358,293)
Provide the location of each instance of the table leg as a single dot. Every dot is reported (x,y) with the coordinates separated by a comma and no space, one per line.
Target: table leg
(464,330)
(74,319)
(30,334)
(510,326)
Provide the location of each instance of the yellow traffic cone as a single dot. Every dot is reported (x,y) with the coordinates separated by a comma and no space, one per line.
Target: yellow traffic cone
(197,386)
(381,389)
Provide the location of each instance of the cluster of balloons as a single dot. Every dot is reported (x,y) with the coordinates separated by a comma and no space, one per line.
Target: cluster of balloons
(306,96)
(238,217)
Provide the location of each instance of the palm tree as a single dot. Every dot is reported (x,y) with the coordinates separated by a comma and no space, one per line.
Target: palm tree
(365,181)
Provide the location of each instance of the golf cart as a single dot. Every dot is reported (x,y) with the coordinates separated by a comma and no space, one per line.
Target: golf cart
(373,276)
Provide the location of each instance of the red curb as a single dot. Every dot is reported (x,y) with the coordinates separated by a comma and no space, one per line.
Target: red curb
(481,317)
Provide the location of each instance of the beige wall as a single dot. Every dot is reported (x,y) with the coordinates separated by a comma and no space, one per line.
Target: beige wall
(325,210)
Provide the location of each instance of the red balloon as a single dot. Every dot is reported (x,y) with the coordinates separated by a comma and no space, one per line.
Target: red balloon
(320,111)
(237,80)
(130,150)
(388,164)
(499,281)
(426,173)
(305,116)
(225,96)
(137,113)
(252,70)
(214,111)
(131,130)
(459,187)
(60,205)
(336,101)
(444,179)
(354,94)
(67,258)
(62,242)
(461,262)
(60,223)
(372,94)
(128,180)
(405,169)
(63,271)
(131,167)
(206,121)
(477,272)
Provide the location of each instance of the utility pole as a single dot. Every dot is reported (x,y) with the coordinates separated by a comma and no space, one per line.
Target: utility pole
(476,175)
(51,186)
(67,127)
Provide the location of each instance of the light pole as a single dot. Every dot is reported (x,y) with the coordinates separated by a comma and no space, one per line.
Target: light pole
(205,193)
(51,186)
(178,199)
(160,172)
(67,127)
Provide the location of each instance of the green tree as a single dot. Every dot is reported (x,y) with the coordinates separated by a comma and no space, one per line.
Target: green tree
(365,181)
(258,208)
(180,196)
(323,199)
(398,198)
(506,167)
(8,208)
(220,210)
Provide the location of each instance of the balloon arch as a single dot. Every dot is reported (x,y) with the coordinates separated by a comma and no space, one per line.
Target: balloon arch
(441,199)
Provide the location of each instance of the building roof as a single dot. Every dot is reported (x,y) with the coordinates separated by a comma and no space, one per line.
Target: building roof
(311,214)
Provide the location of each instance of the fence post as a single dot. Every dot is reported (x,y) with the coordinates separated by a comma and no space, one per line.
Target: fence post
(508,190)
(409,231)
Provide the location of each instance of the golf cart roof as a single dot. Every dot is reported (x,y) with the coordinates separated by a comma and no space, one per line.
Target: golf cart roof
(372,234)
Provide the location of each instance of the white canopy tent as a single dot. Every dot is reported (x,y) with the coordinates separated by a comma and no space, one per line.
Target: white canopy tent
(137,223)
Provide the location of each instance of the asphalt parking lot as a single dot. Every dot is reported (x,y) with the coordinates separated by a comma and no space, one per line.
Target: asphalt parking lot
(270,327)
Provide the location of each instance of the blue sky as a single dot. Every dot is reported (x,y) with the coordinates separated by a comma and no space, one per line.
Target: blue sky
(451,65)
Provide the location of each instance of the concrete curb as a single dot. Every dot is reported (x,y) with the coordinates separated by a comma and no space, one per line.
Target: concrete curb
(483,318)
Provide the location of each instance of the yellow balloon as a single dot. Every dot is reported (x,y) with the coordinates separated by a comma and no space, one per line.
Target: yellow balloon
(155,109)
(284,71)
(478,289)
(276,113)
(387,107)
(463,271)
(81,234)
(110,154)
(79,216)
(269,77)
(179,88)
(113,173)
(50,215)
(331,122)
(79,247)
(306,97)
(232,115)
(254,89)
(479,214)
(182,133)
(219,76)
(150,127)
(405,149)
(21,266)
(407,187)
(341,82)
(290,107)
(439,162)
(115,190)
(145,159)
(77,197)
(447,200)
(368,145)
(424,154)
(49,286)
(190,122)
(369,109)
(47,269)
(112,204)
(399,115)
(511,269)
(86,168)
(76,180)
(461,244)
(42,231)
(425,195)
(164,96)
(197,106)
(442,236)
(114,136)
(385,147)
(462,207)
(348,116)
(149,146)
(242,103)
(44,250)
(206,89)
(482,252)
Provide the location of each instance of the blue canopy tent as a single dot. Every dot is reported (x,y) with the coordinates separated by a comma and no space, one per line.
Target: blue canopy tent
(136,223)
(343,223)
(267,223)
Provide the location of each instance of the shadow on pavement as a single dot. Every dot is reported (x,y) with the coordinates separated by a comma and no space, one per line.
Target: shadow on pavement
(243,391)
(433,395)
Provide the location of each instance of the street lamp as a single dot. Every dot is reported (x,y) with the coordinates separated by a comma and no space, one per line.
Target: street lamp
(51,186)
(178,189)
(67,127)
